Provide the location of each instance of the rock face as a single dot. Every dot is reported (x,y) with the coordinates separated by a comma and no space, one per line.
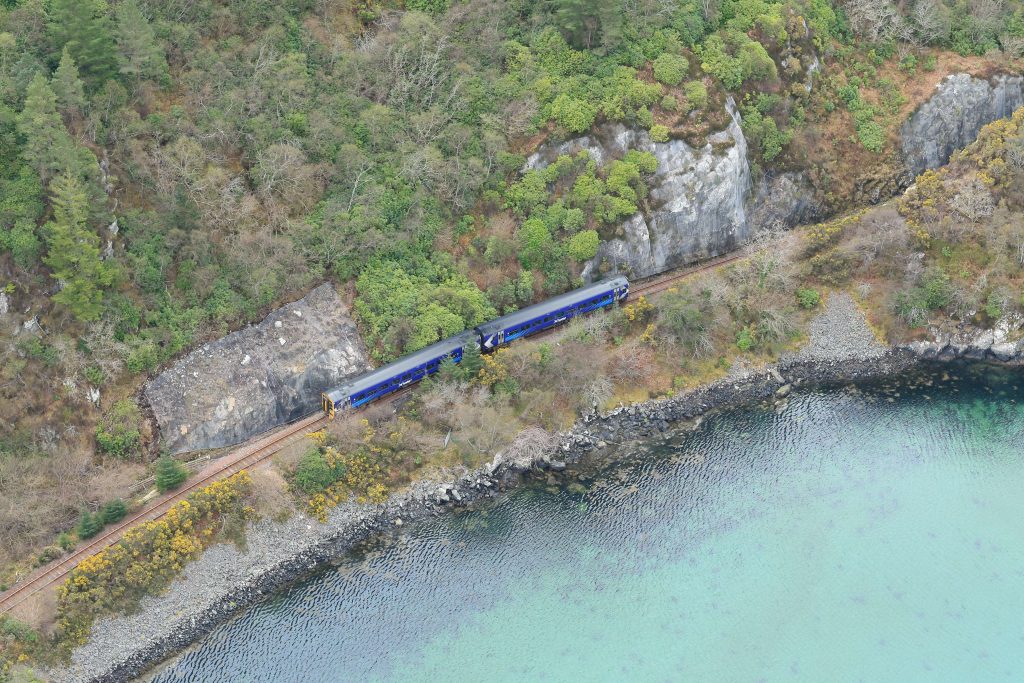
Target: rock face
(257,378)
(783,201)
(951,119)
(1002,343)
(696,207)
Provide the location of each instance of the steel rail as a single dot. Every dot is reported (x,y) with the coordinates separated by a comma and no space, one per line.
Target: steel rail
(247,456)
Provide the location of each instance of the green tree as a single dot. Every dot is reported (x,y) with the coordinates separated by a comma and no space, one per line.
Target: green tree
(47,143)
(685,318)
(73,251)
(472,362)
(589,23)
(535,243)
(85,29)
(143,58)
(67,86)
(114,511)
(670,69)
(575,115)
(169,474)
(583,245)
(89,524)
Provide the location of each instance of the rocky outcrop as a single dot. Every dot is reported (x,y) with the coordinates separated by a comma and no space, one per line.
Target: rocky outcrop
(782,201)
(951,119)
(696,207)
(1003,343)
(257,378)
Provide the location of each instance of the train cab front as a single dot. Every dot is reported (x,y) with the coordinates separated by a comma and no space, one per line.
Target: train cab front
(328,406)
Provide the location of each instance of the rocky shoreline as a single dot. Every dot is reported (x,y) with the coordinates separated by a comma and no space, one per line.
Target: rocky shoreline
(226,580)
(123,648)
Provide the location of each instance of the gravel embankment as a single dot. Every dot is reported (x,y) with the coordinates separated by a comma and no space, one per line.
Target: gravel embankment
(840,333)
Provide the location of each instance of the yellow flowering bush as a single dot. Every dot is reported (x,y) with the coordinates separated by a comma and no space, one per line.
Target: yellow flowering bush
(639,309)
(146,558)
(823,235)
(495,368)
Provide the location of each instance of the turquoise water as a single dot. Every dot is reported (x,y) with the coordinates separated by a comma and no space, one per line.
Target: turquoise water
(871,534)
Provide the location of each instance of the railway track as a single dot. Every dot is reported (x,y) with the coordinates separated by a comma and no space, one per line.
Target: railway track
(660,283)
(245,457)
(258,451)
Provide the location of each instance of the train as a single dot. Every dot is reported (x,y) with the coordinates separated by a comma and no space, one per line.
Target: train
(488,337)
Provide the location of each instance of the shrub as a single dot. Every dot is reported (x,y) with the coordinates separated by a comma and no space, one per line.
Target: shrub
(670,69)
(744,339)
(313,474)
(169,474)
(583,245)
(146,558)
(669,103)
(118,430)
(659,133)
(696,94)
(807,297)
(872,136)
(644,117)
(114,511)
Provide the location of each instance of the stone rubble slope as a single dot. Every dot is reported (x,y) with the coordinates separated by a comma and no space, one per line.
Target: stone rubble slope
(839,333)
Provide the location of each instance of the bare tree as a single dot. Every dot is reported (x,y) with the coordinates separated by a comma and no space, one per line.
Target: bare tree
(973,201)
(931,24)
(529,444)
(874,20)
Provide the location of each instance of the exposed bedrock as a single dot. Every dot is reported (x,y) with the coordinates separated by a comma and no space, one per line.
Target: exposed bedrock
(700,203)
(951,118)
(259,377)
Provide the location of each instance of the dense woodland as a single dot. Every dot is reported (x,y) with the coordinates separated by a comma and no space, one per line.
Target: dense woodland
(172,169)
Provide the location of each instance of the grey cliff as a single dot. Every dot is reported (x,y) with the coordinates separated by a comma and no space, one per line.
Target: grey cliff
(951,118)
(700,203)
(259,377)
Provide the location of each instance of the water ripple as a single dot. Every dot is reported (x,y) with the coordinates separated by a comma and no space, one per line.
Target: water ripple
(863,533)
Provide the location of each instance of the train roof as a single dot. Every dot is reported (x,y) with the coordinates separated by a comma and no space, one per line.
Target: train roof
(552,304)
(414,359)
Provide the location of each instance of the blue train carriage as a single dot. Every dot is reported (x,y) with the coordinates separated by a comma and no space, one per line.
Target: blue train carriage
(391,377)
(554,311)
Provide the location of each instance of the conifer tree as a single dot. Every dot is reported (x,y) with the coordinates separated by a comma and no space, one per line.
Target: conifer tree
(67,86)
(73,250)
(114,511)
(472,362)
(47,143)
(85,29)
(89,525)
(169,474)
(143,56)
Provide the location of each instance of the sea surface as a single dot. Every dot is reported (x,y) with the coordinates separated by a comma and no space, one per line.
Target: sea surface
(871,533)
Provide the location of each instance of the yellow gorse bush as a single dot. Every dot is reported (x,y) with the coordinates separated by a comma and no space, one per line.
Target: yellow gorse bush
(639,309)
(363,478)
(823,235)
(146,558)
